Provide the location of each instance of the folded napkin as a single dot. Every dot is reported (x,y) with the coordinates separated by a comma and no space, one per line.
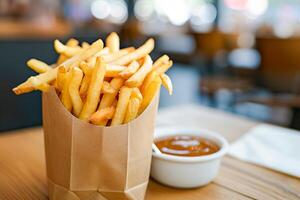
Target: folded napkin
(270,146)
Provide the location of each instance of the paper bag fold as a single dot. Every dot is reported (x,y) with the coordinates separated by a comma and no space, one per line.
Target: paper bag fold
(86,162)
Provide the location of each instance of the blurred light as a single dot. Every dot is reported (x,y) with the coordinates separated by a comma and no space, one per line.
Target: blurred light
(100,9)
(202,17)
(236,4)
(256,7)
(284,30)
(246,40)
(203,14)
(244,58)
(119,13)
(143,9)
(177,11)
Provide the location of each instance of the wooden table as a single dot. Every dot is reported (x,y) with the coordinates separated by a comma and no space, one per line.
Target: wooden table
(23,177)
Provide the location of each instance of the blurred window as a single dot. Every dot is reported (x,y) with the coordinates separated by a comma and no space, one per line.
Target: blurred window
(277,17)
(200,15)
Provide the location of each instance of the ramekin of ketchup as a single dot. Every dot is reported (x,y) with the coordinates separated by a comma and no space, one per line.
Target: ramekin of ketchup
(186,157)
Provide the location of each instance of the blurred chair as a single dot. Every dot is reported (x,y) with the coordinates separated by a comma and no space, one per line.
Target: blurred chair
(279,72)
(280,64)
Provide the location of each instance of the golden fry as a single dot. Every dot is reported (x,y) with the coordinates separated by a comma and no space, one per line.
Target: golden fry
(38,66)
(121,108)
(148,80)
(113,42)
(74,85)
(85,68)
(137,54)
(108,99)
(136,93)
(85,45)
(130,70)
(84,85)
(65,95)
(137,79)
(164,67)
(167,83)
(51,74)
(93,94)
(151,91)
(66,50)
(114,70)
(109,58)
(161,60)
(60,79)
(70,43)
(107,88)
(132,109)
(102,115)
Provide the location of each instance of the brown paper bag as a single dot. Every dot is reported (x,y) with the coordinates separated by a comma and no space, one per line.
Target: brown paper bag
(88,162)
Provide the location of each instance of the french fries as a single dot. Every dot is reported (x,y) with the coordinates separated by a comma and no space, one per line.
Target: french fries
(93,94)
(113,42)
(125,93)
(51,74)
(150,93)
(144,50)
(136,79)
(132,109)
(106,86)
(167,83)
(102,115)
(38,66)
(130,70)
(74,85)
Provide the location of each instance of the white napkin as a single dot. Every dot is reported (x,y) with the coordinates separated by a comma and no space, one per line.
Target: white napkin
(270,146)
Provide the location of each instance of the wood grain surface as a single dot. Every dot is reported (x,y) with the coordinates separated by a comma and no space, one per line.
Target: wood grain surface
(23,174)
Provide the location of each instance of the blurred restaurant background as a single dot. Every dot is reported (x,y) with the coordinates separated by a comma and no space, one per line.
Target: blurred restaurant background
(240,56)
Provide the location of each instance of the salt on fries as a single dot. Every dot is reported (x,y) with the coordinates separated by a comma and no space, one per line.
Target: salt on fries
(105,86)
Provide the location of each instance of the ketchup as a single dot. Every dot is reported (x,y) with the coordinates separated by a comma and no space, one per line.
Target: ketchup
(184,145)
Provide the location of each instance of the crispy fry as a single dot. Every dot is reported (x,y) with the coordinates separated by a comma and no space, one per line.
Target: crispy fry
(40,86)
(161,60)
(70,43)
(102,115)
(85,45)
(137,79)
(113,42)
(92,60)
(164,67)
(167,83)
(77,75)
(60,79)
(137,54)
(66,50)
(121,108)
(118,54)
(136,93)
(108,99)
(148,80)
(151,91)
(107,88)
(85,68)
(130,70)
(38,66)
(132,109)
(93,94)
(84,85)
(51,74)
(65,95)
(114,70)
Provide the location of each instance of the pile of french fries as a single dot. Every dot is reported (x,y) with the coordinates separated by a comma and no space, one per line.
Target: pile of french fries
(104,85)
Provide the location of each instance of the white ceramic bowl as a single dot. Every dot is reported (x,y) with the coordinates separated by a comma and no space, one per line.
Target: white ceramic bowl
(187,172)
